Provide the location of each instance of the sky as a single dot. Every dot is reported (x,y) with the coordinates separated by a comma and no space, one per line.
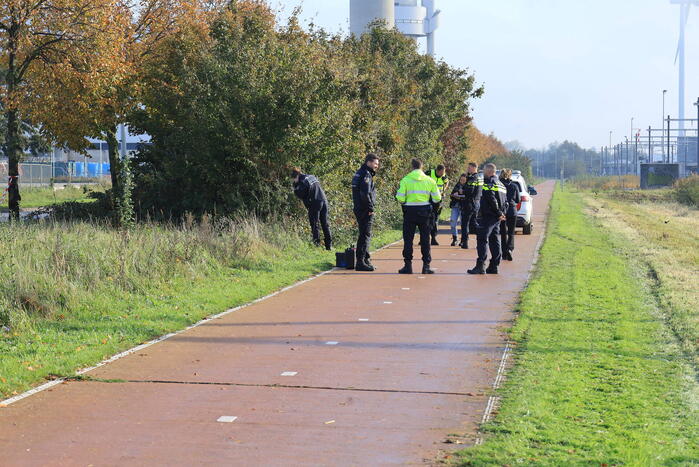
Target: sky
(557,70)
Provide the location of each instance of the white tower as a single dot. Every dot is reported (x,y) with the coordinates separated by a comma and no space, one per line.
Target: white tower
(418,20)
(364,12)
(414,18)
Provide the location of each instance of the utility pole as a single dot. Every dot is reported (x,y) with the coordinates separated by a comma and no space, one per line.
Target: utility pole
(663,139)
(635,153)
(669,156)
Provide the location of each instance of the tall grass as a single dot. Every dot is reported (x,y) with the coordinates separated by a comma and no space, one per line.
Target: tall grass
(607,183)
(49,267)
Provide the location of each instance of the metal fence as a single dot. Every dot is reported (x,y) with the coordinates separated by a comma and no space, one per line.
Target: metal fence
(43,173)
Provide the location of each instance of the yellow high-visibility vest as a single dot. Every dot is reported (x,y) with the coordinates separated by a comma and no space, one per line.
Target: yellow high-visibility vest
(417,189)
(440,181)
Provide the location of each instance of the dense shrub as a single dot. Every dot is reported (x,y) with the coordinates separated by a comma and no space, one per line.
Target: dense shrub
(687,190)
(231,112)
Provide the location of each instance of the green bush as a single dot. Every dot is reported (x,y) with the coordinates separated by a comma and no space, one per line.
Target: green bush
(687,190)
(231,112)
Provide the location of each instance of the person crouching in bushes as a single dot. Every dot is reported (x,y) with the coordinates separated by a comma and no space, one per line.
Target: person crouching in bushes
(307,188)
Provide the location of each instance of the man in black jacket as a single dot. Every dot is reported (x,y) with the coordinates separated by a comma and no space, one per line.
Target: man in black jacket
(493,207)
(364,199)
(307,188)
(507,228)
(471,202)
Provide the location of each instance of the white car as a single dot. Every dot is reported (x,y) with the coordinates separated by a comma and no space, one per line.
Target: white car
(526,206)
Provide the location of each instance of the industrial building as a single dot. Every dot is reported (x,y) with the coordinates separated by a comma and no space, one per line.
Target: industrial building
(414,18)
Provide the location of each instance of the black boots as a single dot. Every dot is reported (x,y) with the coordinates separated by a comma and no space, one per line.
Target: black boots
(453,240)
(464,243)
(507,255)
(364,267)
(426,268)
(478,270)
(407,269)
(434,241)
(492,269)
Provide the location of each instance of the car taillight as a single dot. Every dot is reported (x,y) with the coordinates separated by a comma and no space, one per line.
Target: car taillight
(524,198)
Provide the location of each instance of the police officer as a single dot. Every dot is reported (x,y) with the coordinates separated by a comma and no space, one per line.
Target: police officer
(493,205)
(307,188)
(440,178)
(471,203)
(417,193)
(364,198)
(507,228)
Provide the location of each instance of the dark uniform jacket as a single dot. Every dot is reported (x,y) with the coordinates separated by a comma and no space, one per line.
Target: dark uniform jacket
(494,198)
(513,198)
(308,190)
(457,200)
(363,190)
(473,192)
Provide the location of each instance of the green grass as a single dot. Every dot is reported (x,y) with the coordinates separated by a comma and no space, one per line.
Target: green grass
(598,379)
(76,293)
(45,196)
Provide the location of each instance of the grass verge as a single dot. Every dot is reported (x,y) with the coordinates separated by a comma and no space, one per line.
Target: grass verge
(599,379)
(77,293)
(46,196)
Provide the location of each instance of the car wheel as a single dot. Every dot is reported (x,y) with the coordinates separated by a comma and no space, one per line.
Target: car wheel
(527,229)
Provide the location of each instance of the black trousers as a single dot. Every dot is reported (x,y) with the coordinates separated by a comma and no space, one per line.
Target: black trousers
(419,217)
(507,233)
(434,220)
(365,223)
(489,237)
(468,223)
(318,214)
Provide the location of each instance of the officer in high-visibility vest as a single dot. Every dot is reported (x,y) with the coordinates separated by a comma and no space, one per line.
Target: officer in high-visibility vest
(439,176)
(493,209)
(417,193)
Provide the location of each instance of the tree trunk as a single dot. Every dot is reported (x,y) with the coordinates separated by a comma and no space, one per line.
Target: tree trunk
(13,146)
(114,158)
(14,150)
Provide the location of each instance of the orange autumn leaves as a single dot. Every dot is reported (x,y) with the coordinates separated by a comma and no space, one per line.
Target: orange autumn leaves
(73,64)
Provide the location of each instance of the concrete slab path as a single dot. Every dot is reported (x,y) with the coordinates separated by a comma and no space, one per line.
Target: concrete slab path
(348,369)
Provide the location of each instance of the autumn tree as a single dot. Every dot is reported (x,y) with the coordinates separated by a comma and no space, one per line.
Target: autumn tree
(96,107)
(47,38)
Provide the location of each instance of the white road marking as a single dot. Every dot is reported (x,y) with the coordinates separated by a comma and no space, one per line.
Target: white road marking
(362,319)
(387,303)
(290,373)
(126,353)
(331,343)
(227,419)
(405,288)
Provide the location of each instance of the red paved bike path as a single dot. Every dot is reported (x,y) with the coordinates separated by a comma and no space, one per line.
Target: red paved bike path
(382,369)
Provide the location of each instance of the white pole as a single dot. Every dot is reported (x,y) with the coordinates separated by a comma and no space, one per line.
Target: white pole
(683,21)
(122,129)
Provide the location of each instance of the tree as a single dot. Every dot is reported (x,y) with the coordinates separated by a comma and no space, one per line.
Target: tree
(42,39)
(97,107)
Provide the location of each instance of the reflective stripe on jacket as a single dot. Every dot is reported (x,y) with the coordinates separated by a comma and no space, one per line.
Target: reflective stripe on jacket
(440,181)
(417,189)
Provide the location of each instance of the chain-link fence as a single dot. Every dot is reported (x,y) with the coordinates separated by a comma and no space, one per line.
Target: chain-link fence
(43,173)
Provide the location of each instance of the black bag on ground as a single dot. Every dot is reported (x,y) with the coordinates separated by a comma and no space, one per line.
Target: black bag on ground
(349,257)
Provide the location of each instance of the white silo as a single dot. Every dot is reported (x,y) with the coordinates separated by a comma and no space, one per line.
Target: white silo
(364,12)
